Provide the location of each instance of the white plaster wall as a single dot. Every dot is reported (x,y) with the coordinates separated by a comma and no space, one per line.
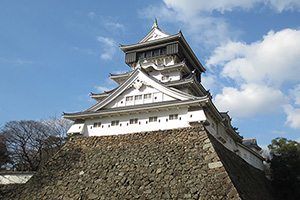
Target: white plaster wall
(170,61)
(218,130)
(14,178)
(155,74)
(251,158)
(163,122)
(156,96)
(173,76)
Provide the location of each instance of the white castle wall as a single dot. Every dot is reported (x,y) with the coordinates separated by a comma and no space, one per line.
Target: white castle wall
(219,132)
(156,96)
(251,158)
(162,122)
(15,177)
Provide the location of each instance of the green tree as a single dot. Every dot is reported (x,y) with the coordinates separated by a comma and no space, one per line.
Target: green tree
(285,167)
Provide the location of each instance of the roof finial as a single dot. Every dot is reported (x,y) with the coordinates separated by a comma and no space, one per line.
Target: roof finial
(155,23)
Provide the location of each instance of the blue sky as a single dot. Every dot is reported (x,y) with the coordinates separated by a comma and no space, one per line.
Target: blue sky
(54,53)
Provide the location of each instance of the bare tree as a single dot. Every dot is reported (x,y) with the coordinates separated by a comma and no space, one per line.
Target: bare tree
(31,143)
(58,128)
(4,156)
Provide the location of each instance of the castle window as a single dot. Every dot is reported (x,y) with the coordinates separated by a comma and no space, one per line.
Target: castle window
(153,119)
(141,55)
(133,121)
(97,124)
(138,97)
(129,98)
(156,52)
(173,116)
(115,123)
(147,96)
(148,54)
(163,51)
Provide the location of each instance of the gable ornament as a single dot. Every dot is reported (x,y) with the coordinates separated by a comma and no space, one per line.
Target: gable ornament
(137,84)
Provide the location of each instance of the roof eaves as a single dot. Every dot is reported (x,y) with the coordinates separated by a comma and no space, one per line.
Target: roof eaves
(191,52)
(126,48)
(249,149)
(126,109)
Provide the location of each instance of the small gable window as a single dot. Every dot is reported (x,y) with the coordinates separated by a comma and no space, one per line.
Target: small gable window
(97,124)
(138,97)
(173,117)
(153,119)
(147,96)
(129,98)
(156,52)
(115,123)
(133,121)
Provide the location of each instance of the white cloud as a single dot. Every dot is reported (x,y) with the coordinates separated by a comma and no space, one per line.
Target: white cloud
(295,94)
(250,100)
(205,30)
(255,73)
(107,86)
(281,5)
(271,61)
(110,47)
(293,116)
(113,26)
(192,7)
(91,15)
(17,61)
(278,132)
(102,89)
(209,81)
(86,51)
(196,16)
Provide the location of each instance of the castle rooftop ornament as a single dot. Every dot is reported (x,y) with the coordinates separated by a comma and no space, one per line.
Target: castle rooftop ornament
(162,91)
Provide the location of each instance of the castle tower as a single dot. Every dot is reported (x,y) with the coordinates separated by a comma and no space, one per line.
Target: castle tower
(162,91)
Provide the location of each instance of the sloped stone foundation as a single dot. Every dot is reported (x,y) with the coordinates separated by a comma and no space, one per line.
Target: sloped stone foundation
(185,163)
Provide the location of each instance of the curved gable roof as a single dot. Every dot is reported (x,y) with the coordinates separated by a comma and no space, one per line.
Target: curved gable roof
(139,75)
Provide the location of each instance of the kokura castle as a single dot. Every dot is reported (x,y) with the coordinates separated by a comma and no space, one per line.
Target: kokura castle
(162,90)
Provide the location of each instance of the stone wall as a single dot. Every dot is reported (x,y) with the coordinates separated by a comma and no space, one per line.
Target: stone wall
(185,163)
